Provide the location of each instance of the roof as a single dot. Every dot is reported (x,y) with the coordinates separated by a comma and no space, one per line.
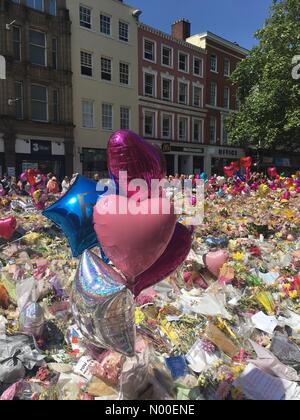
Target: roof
(229,44)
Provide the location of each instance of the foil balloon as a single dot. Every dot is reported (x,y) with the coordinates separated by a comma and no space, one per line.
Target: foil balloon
(73,214)
(204,176)
(175,255)
(7,227)
(103,307)
(32,319)
(229,171)
(235,165)
(133,242)
(215,260)
(23,177)
(128,152)
(272,172)
(246,162)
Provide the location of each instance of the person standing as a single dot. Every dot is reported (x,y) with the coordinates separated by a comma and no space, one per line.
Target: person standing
(52,186)
(65,185)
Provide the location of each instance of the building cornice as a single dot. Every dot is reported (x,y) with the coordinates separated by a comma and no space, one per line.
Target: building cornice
(168,37)
(213,37)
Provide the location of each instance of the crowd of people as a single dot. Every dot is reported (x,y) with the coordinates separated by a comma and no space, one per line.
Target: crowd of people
(11,185)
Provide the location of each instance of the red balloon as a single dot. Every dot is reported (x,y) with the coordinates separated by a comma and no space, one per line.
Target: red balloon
(272,172)
(229,171)
(31,176)
(246,162)
(235,165)
(7,227)
(175,254)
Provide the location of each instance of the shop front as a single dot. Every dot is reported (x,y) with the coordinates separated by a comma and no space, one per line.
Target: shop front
(219,156)
(289,163)
(183,160)
(46,155)
(94,161)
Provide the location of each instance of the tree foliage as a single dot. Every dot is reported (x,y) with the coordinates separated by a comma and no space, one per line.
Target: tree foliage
(269,96)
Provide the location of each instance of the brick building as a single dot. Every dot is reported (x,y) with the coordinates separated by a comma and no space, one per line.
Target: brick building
(185,96)
(171,96)
(36,128)
(222,59)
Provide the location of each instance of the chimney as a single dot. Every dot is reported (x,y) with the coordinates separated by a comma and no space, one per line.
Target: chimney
(181,29)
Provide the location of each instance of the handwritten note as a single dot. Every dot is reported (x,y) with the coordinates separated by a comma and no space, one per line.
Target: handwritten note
(258,385)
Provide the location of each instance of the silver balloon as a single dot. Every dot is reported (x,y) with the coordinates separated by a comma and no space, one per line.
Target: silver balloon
(103,307)
(21,205)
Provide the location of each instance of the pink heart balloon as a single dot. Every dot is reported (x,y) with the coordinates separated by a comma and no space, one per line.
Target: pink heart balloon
(175,254)
(215,260)
(7,227)
(133,242)
(127,151)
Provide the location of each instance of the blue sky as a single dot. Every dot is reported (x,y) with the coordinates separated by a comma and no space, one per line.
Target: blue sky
(235,20)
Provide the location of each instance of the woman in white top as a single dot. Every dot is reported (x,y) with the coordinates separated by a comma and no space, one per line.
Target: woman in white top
(65,185)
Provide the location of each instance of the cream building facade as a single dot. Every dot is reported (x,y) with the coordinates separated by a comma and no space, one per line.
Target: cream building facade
(105,77)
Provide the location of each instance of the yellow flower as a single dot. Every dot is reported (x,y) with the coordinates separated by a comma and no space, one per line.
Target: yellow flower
(139,316)
(239,256)
(286,286)
(293,294)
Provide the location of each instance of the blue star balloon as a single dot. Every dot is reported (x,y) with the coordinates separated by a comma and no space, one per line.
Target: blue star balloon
(73,214)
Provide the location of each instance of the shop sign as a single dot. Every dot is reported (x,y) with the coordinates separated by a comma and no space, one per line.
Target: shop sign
(11,171)
(40,147)
(283,162)
(166,147)
(199,151)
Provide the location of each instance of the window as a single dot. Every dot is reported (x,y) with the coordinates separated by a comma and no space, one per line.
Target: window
(226,67)
(213,94)
(123,31)
(88,114)
(125,118)
(149,50)
(198,67)
(36,4)
(198,131)
(149,124)
(183,129)
(39,103)
(86,63)
(167,89)
(149,84)
(19,100)
(212,130)
(105,24)
(85,16)
(54,53)
(107,117)
(213,63)
(124,74)
(52,7)
(183,62)
(226,97)
(17,43)
(198,96)
(183,93)
(167,126)
(37,48)
(106,70)
(167,56)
